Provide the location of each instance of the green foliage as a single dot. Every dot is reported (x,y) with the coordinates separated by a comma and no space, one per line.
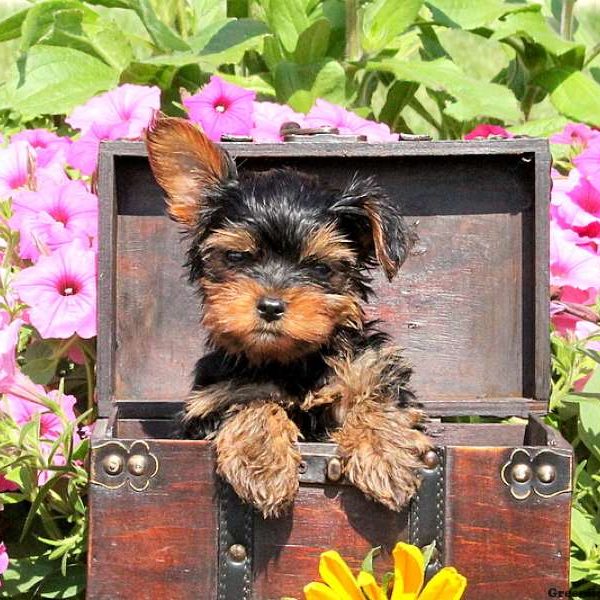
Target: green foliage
(47,549)
(577,415)
(435,66)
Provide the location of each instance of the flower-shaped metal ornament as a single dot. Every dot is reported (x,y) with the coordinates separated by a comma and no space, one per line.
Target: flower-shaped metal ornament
(115,465)
(544,473)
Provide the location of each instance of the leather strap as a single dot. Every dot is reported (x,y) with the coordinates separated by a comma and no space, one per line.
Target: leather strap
(235,529)
(426,520)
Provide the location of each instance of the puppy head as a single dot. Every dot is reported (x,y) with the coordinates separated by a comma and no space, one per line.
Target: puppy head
(280,260)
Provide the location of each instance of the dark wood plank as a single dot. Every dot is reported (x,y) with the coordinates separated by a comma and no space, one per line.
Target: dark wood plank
(506,548)
(162,542)
(106,280)
(287,550)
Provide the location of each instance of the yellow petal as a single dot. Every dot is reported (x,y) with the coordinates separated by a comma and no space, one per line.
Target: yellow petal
(446,584)
(366,582)
(337,575)
(408,571)
(319,591)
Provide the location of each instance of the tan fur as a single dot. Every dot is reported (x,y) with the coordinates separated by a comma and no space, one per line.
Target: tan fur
(326,244)
(378,441)
(185,163)
(213,398)
(310,317)
(238,239)
(389,266)
(382,452)
(257,454)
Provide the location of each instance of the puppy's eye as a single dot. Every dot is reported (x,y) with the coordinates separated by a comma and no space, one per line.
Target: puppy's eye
(235,257)
(321,269)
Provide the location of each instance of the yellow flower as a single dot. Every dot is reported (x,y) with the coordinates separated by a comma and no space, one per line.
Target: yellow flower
(409,567)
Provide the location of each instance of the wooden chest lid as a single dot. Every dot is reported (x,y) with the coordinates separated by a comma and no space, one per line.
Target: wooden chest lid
(470,305)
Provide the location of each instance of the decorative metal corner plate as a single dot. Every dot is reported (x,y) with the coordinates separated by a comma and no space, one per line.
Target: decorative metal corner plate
(545,473)
(427,511)
(115,465)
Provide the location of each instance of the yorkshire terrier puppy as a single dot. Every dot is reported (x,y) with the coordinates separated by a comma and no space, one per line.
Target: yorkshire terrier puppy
(281,263)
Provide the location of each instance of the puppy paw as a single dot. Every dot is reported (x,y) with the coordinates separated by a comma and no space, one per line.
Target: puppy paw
(257,455)
(384,468)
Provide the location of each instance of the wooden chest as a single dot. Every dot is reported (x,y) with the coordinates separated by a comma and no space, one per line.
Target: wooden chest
(471,308)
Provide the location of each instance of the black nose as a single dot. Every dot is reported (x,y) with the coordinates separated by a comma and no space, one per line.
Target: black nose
(270,309)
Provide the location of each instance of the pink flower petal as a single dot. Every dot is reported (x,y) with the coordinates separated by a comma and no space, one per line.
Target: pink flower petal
(221,108)
(61,292)
(484,130)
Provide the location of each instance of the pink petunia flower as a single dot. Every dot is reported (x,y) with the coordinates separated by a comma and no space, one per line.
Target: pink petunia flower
(7,486)
(484,130)
(9,336)
(124,112)
(220,108)
(61,291)
(12,381)
(16,167)
(24,411)
(3,559)
(575,134)
(325,113)
(570,264)
(268,118)
(48,146)
(54,217)
(588,162)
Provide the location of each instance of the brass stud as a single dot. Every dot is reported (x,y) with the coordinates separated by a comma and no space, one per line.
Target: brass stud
(113,464)
(334,469)
(136,464)
(302,467)
(431,459)
(237,553)
(546,473)
(521,473)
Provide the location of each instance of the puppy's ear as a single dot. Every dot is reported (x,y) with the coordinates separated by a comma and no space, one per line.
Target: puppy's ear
(375,225)
(187,165)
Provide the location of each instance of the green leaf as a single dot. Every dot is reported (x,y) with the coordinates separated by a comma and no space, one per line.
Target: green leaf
(540,127)
(313,43)
(474,54)
(287,20)
(301,85)
(71,24)
(54,80)
(69,585)
(474,99)
(231,42)
(573,94)
(207,12)
(383,20)
(593,384)
(427,553)
(532,24)
(11,497)
(399,94)
(40,362)
(162,35)
(23,574)
(367,564)
(466,14)
(251,82)
(583,531)
(10,28)
(111,3)
(589,424)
